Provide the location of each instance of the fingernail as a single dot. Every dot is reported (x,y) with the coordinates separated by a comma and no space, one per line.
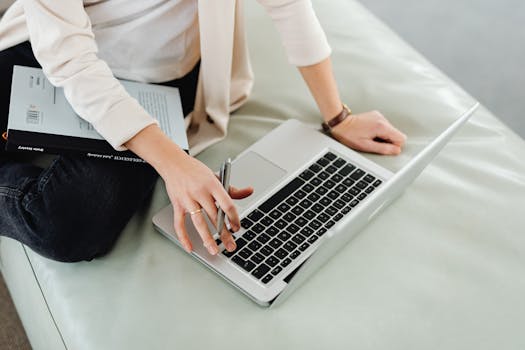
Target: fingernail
(213,250)
(231,246)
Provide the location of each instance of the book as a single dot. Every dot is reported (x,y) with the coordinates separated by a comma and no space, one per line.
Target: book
(42,120)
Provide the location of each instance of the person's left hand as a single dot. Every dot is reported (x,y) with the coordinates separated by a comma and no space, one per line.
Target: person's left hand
(369,132)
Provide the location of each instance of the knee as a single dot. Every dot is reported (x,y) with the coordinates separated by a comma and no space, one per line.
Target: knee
(75,245)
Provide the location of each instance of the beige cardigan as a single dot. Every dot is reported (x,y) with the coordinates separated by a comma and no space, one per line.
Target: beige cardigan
(64,44)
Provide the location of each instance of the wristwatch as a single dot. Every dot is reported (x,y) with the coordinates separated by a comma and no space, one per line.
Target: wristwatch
(328,125)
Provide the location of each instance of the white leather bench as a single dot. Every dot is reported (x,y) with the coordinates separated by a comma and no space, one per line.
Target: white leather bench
(441,268)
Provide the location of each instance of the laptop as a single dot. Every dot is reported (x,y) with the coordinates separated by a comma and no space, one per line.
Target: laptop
(312,196)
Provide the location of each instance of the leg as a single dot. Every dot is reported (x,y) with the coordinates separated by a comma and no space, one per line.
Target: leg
(76,208)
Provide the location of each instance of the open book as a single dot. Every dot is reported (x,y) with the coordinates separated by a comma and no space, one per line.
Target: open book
(41,119)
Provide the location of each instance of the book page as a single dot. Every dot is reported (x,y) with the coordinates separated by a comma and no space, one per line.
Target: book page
(38,106)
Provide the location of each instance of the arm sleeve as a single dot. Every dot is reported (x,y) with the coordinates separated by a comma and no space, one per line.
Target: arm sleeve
(64,45)
(303,38)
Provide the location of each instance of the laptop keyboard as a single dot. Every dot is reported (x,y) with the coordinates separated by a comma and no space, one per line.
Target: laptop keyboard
(292,219)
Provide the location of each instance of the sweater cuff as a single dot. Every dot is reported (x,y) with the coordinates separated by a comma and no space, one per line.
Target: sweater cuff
(123,121)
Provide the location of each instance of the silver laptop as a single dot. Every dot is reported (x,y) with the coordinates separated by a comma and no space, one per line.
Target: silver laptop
(312,195)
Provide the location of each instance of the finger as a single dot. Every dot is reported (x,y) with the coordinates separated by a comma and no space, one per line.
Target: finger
(390,133)
(227,239)
(202,228)
(240,193)
(381,147)
(211,209)
(180,228)
(226,204)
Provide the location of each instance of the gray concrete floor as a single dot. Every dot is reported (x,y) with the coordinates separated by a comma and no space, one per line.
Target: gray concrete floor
(478,43)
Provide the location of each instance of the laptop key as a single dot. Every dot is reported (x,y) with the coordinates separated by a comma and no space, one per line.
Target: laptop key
(315,181)
(276,270)
(312,239)
(272,261)
(329,224)
(356,175)
(306,175)
(295,254)
(254,245)
(304,246)
(286,262)
(369,178)
(307,231)
(348,182)
(246,223)
(246,265)
(331,210)
(280,195)
(241,242)
(329,184)
(306,203)
(361,196)
(333,194)
(258,228)
(267,279)
(266,250)
(323,217)
(228,254)
(291,201)
(255,215)
(300,221)
(323,175)
(275,243)
(257,258)
(361,184)
(263,238)
(283,207)
(298,238)
(339,204)
(338,217)
(346,170)
(354,191)
(325,201)
(323,162)
(370,189)
(260,271)
(289,217)
(330,156)
(300,194)
(280,224)
(341,188)
(330,169)
(339,162)
(281,254)
(347,197)
(315,168)
(271,231)
(297,210)
(293,228)
(377,183)
(245,253)
(317,208)
(314,197)
(307,188)
(346,209)
(290,246)
(266,221)
(314,224)
(321,190)
(354,203)
(336,178)
(275,214)
(321,231)
(310,214)
(283,236)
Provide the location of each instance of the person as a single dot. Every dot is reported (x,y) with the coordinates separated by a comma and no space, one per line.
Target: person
(75,208)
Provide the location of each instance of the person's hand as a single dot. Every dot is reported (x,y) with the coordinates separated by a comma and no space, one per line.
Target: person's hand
(369,132)
(191,186)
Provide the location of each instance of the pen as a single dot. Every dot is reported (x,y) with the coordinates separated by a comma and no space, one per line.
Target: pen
(225,181)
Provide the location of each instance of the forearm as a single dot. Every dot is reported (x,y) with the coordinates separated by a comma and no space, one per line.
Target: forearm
(323,87)
(152,145)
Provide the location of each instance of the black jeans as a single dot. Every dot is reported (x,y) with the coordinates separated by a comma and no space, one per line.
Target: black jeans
(74,209)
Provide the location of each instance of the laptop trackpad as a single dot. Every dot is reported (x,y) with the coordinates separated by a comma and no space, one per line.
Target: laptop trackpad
(251,169)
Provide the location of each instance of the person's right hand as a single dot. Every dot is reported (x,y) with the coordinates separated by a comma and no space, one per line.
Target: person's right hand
(191,186)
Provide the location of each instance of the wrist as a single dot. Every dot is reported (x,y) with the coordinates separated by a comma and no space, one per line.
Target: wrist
(152,145)
(337,119)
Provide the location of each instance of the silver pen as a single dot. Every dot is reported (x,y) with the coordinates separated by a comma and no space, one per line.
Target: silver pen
(225,181)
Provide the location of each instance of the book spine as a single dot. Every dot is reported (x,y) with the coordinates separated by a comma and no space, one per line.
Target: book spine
(127,157)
